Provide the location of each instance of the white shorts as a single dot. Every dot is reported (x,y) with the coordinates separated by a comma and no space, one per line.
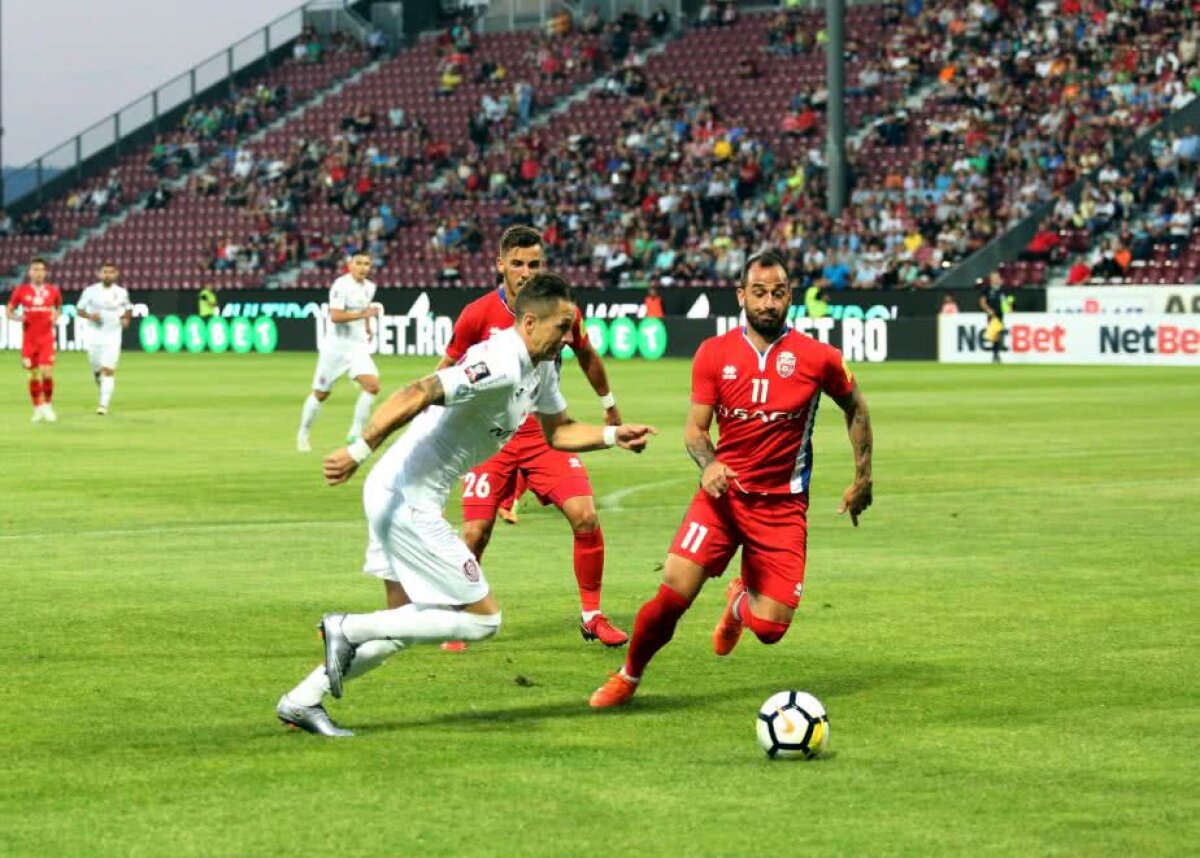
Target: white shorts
(420,550)
(333,365)
(104,353)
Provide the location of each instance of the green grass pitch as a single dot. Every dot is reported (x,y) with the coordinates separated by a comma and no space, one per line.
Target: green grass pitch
(1007,646)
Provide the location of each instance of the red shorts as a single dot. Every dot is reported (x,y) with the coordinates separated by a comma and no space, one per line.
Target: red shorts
(554,476)
(37,352)
(772,531)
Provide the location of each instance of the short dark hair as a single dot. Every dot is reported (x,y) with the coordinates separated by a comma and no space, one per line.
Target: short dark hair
(108,264)
(39,260)
(764,259)
(542,293)
(519,236)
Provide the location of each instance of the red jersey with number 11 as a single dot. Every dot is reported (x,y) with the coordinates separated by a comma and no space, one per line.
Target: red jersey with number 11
(766,404)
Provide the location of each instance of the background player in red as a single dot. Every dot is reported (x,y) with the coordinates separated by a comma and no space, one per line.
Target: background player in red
(555,477)
(40,305)
(763,383)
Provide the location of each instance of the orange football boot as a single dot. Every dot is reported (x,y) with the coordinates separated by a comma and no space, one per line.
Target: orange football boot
(729,627)
(617,691)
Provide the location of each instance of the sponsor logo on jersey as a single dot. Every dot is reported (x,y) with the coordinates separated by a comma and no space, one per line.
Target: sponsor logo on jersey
(574,462)
(471,570)
(729,373)
(785,364)
(477,372)
(760,414)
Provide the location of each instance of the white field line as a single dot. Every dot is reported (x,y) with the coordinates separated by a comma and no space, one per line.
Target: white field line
(611,502)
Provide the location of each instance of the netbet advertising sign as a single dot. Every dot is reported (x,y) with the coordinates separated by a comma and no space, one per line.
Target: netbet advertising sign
(1046,338)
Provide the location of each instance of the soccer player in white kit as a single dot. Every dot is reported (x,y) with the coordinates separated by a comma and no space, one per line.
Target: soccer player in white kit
(460,416)
(346,349)
(108,311)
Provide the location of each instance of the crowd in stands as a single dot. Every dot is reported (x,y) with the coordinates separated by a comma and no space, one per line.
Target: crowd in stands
(1004,106)
(1028,99)
(1020,100)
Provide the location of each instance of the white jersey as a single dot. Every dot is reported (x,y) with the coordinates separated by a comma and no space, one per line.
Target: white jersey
(488,395)
(111,302)
(346,293)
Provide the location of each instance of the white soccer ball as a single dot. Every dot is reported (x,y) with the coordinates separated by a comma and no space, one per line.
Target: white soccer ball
(792,725)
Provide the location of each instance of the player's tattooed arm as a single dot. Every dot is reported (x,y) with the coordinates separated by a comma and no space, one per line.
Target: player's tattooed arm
(715,476)
(396,411)
(401,407)
(858,496)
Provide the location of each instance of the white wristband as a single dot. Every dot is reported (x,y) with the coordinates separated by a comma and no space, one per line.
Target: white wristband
(608,401)
(610,436)
(359,450)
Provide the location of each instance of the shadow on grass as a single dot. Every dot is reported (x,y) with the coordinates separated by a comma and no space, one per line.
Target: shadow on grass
(575,708)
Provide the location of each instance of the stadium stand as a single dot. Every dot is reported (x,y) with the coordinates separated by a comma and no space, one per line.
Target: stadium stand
(203,134)
(644,157)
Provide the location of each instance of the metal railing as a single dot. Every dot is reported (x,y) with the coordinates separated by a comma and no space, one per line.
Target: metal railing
(143,117)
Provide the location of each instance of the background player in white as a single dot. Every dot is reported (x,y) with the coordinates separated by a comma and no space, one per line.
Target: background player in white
(346,348)
(437,590)
(108,311)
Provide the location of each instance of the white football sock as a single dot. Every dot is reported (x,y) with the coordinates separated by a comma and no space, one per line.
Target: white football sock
(107,383)
(420,624)
(312,407)
(313,688)
(362,411)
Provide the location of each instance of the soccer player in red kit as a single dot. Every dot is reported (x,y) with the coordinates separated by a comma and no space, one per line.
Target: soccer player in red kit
(40,305)
(763,383)
(555,477)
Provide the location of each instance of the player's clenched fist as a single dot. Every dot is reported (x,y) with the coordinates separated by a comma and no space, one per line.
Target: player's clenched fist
(634,436)
(339,466)
(716,477)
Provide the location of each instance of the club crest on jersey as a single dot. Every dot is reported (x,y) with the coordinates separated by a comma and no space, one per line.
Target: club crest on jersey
(785,364)
(729,373)
(477,372)
(471,570)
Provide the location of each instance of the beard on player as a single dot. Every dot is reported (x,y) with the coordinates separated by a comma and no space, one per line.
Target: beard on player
(768,324)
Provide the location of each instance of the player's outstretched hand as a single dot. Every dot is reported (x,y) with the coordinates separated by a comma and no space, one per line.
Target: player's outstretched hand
(339,466)
(716,477)
(634,436)
(855,500)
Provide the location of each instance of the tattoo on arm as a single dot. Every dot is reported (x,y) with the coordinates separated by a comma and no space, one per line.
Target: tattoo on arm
(701,449)
(858,427)
(401,407)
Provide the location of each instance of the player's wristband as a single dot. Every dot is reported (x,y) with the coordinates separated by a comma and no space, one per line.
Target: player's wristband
(610,436)
(359,451)
(608,401)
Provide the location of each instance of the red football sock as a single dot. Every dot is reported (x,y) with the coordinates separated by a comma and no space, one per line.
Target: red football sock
(767,631)
(48,390)
(653,628)
(589,567)
(35,391)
